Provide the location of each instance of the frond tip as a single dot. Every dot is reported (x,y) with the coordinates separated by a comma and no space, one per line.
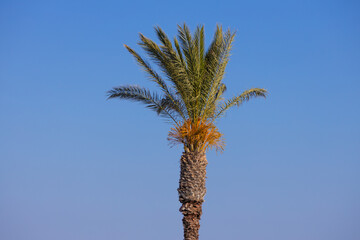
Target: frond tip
(197,135)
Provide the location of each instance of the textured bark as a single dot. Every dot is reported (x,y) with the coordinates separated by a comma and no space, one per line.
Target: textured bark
(192,191)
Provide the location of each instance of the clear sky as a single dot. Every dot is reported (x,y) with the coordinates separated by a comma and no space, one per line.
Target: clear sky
(74,166)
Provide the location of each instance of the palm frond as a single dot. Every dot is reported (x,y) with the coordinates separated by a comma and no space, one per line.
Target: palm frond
(172,68)
(216,61)
(237,101)
(179,52)
(190,78)
(145,96)
(147,68)
(189,50)
(213,103)
(155,77)
(185,39)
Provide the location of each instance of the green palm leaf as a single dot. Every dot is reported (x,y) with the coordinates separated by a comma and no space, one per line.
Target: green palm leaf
(237,101)
(191,79)
(155,77)
(145,96)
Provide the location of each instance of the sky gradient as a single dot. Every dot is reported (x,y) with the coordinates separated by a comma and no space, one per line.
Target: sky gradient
(75,166)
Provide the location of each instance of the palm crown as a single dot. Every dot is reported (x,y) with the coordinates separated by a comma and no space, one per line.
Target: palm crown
(191,84)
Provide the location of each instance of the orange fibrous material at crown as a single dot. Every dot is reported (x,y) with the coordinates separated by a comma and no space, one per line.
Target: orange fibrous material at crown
(197,135)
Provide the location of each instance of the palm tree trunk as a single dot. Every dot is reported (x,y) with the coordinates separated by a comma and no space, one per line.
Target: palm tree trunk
(192,191)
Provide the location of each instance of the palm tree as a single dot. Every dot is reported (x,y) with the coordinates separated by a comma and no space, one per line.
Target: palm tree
(192,98)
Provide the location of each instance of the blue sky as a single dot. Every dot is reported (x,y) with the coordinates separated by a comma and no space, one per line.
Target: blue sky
(75,166)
